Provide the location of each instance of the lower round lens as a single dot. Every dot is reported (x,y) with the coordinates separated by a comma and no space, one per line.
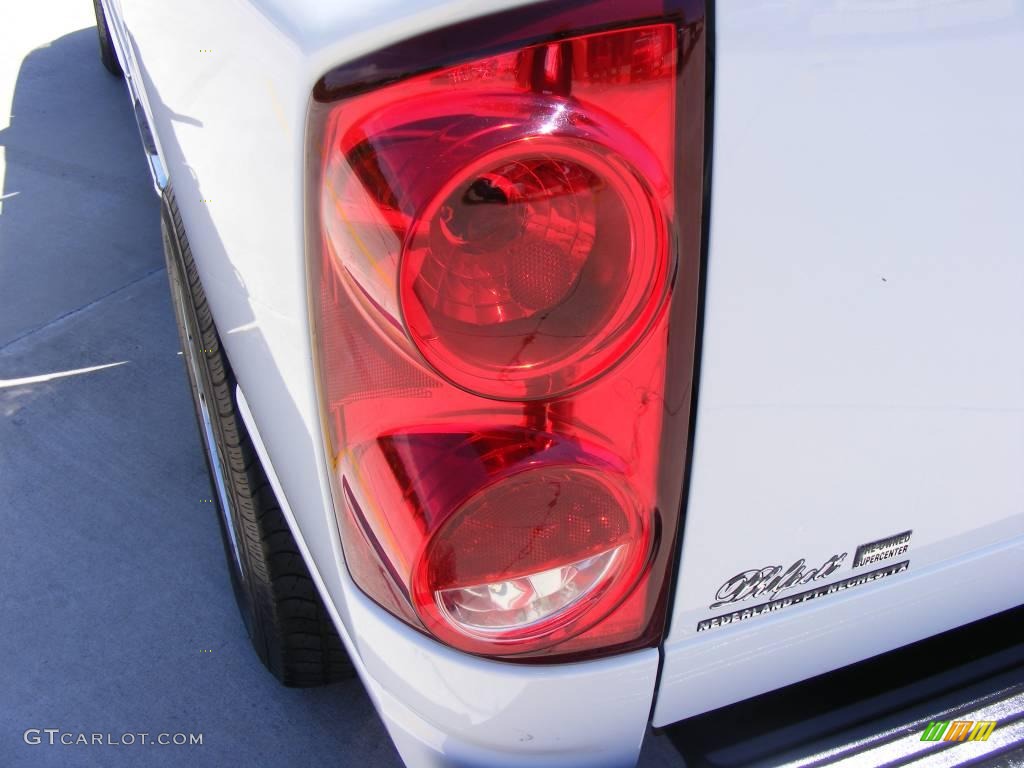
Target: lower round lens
(532,553)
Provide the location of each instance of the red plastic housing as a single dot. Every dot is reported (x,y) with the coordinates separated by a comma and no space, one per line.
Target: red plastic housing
(504,285)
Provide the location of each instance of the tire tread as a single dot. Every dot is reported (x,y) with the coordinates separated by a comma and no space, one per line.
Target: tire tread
(300,647)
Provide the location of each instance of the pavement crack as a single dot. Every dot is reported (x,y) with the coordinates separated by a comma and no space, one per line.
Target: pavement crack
(84,308)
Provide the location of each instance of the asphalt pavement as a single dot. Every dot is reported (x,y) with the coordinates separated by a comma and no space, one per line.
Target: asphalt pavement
(116,615)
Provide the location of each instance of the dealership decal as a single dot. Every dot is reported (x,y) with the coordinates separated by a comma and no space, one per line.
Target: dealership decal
(801,597)
(772,579)
(883,549)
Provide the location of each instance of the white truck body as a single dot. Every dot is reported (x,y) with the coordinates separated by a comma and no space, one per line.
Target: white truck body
(861,373)
(861,370)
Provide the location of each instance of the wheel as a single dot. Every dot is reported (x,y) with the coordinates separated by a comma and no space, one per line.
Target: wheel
(282,610)
(107,53)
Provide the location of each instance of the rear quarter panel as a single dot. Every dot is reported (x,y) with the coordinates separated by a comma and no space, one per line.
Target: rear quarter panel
(228,86)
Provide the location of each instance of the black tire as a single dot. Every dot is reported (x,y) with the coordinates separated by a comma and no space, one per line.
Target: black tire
(107,53)
(282,610)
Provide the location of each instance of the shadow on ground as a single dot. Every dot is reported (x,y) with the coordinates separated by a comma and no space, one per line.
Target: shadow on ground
(117,611)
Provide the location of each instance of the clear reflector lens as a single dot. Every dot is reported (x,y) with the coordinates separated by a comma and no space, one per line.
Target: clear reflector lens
(523,603)
(534,555)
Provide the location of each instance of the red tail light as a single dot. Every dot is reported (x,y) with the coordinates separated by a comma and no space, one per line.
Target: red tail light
(504,311)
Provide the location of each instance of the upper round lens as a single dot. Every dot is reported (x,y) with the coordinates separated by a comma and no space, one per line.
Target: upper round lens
(534,271)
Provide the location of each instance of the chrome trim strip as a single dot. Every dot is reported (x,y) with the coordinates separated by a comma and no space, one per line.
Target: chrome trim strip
(156,166)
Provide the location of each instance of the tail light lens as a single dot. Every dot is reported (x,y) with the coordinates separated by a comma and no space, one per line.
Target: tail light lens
(540,265)
(505,283)
(532,558)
